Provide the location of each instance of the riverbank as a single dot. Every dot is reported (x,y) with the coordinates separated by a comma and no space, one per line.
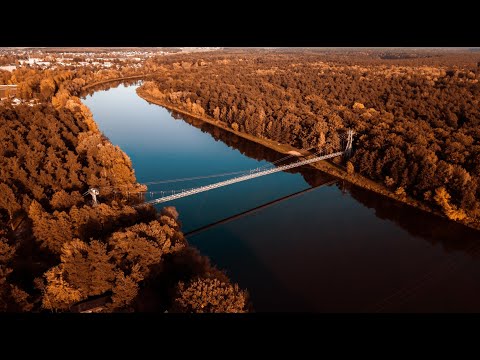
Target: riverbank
(325,166)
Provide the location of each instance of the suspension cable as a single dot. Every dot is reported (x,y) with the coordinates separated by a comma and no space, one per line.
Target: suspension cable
(342,138)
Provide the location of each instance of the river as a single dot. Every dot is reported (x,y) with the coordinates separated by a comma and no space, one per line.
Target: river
(335,248)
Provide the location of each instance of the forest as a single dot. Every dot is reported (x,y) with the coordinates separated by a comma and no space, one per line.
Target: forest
(416,115)
(58,252)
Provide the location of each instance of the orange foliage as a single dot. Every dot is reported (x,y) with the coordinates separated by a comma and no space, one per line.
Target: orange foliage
(210,296)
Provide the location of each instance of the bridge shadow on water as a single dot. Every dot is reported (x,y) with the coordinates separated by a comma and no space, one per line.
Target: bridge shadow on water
(255,209)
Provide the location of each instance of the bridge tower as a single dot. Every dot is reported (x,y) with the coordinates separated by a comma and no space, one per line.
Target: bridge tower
(348,148)
(94,192)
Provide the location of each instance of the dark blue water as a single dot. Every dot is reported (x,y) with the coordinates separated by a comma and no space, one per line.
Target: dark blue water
(335,248)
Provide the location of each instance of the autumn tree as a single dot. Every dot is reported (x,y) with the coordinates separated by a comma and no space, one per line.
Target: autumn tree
(126,288)
(58,293)
(63,200)
(47,87)
(442,198)
(87,267)
(204,295)
(8,200)
(144,245)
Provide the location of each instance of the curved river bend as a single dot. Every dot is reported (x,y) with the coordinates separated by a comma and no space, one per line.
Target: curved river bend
(335,248)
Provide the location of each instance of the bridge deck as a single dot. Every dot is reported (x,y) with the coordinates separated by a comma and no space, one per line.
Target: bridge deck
(241,178)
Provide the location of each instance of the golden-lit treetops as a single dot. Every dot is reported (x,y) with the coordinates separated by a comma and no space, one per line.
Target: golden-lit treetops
(210,296)
(50,154)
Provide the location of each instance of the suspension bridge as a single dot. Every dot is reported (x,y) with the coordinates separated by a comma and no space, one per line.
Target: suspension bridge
(171,195)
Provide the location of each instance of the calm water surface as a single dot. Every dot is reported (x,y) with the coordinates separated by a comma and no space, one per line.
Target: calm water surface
(334,248)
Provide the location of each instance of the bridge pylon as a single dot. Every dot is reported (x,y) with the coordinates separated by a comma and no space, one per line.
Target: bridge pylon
(94,192)
(348,148)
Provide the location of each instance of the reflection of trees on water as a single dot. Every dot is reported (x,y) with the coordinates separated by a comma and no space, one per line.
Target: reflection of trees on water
(451,235)
(253,150)
(108,86)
